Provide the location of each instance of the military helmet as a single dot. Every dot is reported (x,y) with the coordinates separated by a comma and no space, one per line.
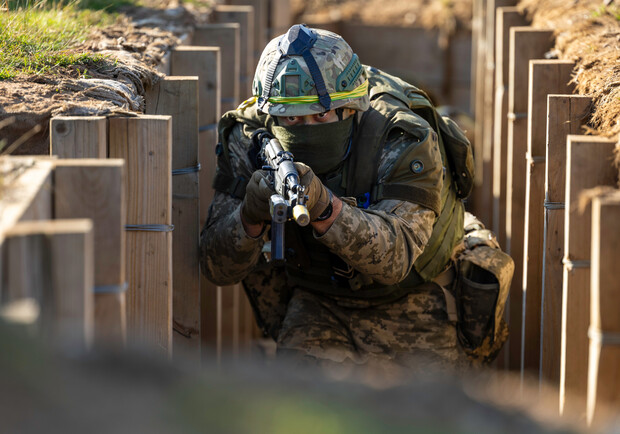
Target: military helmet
(308,71)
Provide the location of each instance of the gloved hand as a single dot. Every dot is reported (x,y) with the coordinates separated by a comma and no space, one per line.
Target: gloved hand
(318,195)
(255,207)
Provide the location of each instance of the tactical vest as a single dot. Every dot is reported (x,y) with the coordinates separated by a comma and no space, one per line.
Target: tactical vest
(394,105)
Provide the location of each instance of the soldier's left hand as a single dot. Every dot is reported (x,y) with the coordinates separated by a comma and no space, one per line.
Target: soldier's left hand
(318,195)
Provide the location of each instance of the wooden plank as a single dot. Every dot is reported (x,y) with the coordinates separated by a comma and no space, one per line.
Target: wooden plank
(545,77)
(280,17)
(227,36)
(205,63)
(603,397)
(261,23)
(93,189)
(230,319)
(60,252)
(145,142)
(484,209)
(26,190)
(78,136)
(208,71)
(525,44)
(506,18)
(478,69)
(244,16)
(178,97)
(565,115)
(588,164)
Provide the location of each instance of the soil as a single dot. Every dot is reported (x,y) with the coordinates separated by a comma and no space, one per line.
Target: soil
(590,37)
(133,49)
(447,15)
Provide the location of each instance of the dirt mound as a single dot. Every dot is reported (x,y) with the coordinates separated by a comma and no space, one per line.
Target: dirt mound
(445,15)
(587,32)
(130,54)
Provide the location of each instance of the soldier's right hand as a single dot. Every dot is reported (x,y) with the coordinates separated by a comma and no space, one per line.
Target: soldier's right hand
(255,207)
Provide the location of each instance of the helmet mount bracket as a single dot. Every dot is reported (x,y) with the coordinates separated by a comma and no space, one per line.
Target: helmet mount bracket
(297,42)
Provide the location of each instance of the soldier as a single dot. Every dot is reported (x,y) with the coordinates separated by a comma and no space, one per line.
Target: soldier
(365,280)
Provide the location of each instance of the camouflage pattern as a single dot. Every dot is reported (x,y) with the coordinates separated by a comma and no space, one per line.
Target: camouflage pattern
(411,332)
(382,241)
(332,54)
(483,282)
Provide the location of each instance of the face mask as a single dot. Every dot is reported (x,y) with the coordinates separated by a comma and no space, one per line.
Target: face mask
(320,146)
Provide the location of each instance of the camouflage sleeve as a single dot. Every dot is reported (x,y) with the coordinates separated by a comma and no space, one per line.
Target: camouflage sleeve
(227,253)
(384,240)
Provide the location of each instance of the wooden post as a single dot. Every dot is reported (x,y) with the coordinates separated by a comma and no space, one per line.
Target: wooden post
(484,207)
(208,71)
(93,189)
(506,18)
(227,37)
(588,164)
(98,196)
(604,359)
(280,17)
(60,254)
(25,194)
(178,97)
(244,15)
(478,70)
(261,23)
(545,76)
(26,190)
(145,142)
(526,43)
(78,136)
(565,115)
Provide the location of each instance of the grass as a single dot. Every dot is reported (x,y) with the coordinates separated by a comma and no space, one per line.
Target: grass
(37,37)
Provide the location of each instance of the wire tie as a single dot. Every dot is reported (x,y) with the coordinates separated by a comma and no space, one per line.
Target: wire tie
(207,127)
(570,265)
(111,289)
(603,338)
(514,116)
(555,205)
(186,170)
(535,159)
(150,228)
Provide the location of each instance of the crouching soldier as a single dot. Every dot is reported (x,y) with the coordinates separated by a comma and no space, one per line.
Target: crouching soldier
(371,277)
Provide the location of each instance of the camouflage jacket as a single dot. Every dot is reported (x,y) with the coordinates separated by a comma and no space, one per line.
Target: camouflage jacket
(382,241)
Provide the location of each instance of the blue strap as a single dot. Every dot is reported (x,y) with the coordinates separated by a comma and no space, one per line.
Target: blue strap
(324,97)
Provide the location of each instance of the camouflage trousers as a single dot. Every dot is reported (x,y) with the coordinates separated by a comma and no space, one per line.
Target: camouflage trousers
(412,332)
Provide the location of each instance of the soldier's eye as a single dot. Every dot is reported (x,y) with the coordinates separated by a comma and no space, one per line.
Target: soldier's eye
(292,118)
(322,115)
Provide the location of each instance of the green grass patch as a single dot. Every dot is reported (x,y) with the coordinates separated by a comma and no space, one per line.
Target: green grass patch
(37,37)
(107,5)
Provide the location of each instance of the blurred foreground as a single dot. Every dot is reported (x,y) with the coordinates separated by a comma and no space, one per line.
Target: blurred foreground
(45,390)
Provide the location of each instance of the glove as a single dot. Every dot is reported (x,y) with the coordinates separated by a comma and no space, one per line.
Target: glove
(318,196)
(255,206)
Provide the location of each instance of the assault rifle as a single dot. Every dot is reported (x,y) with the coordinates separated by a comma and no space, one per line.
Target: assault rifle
(289,201)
